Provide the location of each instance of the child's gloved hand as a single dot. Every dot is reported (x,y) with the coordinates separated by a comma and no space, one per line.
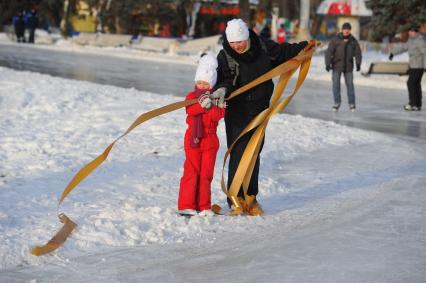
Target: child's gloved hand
(218,93)
(205,101)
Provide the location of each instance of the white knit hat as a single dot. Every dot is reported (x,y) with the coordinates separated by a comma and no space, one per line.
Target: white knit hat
(206,70)
(236,30)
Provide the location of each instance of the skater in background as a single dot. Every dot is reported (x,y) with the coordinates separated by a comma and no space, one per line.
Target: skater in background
(416,47)
(281,34)
(339,57)
(19,26)
(201,142)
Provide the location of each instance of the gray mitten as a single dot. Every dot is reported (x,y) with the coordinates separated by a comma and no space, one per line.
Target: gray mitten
(205,101)
(218,93)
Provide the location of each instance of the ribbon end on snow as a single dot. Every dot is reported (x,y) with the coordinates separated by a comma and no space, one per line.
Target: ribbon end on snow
(57,240)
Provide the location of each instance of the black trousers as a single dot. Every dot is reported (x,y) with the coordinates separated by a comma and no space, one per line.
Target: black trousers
(415,87)
(232,133)
(31,37)
(20,35)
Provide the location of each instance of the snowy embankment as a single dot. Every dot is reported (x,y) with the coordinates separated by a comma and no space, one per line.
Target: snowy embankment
(317,69)
(51,127)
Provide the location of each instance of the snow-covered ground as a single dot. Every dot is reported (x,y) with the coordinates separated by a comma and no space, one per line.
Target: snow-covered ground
(342,204)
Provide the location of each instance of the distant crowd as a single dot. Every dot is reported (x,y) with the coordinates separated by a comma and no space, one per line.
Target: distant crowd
(25,20)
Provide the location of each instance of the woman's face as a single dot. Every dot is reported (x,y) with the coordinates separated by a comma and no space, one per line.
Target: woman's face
(202,85)
(239,46)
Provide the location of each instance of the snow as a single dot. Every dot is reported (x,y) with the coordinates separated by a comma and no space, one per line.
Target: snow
(342,204)
(67,45)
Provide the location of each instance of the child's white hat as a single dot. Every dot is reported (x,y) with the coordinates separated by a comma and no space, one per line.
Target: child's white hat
(236,30)
(206,70)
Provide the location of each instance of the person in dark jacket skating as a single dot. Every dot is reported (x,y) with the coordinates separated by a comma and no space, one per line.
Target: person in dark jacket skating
(19,26)
(244,57)
(339,57)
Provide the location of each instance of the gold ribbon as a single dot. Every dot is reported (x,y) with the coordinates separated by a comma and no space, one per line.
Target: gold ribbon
(58,239)
(285,70)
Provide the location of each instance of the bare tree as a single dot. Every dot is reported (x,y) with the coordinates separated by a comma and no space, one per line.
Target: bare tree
(64,21)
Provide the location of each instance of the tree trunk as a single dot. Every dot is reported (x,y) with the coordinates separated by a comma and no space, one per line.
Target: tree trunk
(64,21)
(303,33)
(245,11)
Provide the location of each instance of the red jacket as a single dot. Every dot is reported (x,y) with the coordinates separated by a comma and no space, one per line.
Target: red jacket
(210,120)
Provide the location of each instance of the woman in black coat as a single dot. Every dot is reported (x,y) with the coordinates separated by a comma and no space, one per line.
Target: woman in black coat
(244,57)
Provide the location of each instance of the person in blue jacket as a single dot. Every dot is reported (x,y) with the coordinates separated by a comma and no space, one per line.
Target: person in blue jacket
(32,24)
(19,25)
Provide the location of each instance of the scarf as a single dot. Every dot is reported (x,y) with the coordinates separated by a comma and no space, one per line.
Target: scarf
(197,126)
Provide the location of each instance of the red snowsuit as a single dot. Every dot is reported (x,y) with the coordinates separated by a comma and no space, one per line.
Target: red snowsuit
(194,191)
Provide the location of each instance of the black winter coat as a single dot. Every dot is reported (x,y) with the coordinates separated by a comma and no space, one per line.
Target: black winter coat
(19,24)
(32,21)
(340,54)
(251,64)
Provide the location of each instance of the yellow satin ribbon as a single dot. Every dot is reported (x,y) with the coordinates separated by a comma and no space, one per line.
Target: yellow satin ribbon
(284,70)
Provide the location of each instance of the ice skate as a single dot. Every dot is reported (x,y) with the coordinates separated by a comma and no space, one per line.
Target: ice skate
(206,212)
(252,206)
(186,212)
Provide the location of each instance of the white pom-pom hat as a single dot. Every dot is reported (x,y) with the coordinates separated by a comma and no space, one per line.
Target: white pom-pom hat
(207,69)
(236,30)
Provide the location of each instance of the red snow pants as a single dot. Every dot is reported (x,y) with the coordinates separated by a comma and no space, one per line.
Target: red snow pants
(198,169)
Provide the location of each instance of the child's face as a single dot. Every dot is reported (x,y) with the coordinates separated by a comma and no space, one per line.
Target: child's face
(202,85)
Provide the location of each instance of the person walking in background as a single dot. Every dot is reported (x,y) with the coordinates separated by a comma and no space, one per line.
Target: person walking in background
(339,57)
(416,47)
(281,34)
(201,142)
(246,56)
(19,26)
(32,24)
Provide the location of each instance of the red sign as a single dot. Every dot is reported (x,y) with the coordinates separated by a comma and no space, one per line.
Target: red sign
(339,9)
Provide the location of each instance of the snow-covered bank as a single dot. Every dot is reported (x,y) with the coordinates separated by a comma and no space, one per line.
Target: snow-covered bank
(317,70)
(64,45)
(312,172)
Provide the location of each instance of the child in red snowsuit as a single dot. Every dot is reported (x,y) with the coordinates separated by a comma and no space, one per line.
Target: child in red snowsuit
(201,142)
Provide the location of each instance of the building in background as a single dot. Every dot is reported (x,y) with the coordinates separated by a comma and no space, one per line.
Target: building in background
(166,18)
(336,12)
(206,18)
